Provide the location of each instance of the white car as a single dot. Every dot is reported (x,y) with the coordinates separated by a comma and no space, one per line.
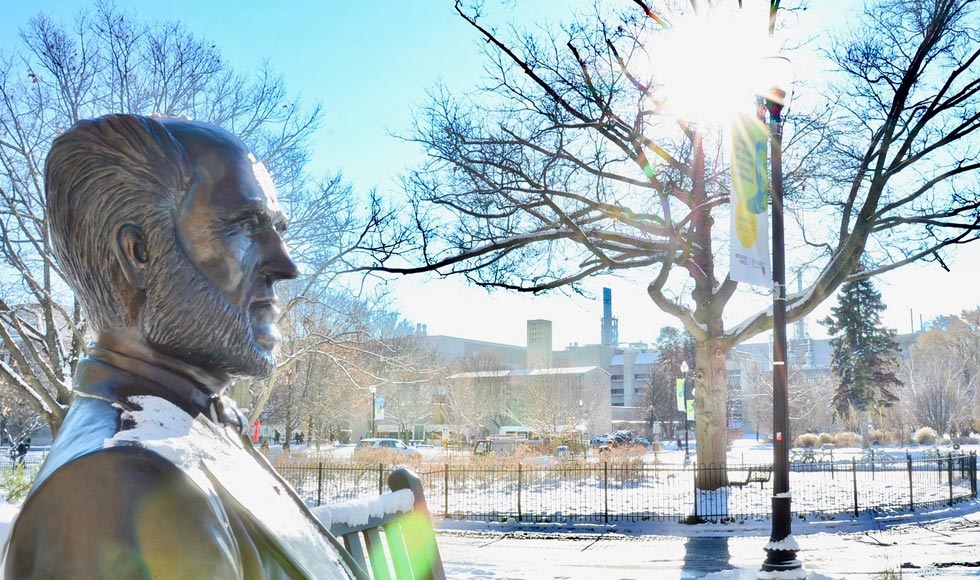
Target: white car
(384,444)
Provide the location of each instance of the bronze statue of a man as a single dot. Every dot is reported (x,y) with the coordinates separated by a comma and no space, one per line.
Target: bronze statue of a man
(169,231)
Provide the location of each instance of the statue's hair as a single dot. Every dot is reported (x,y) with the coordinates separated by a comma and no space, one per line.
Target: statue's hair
(99,175)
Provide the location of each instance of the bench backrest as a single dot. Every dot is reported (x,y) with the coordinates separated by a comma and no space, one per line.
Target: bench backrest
(390,536)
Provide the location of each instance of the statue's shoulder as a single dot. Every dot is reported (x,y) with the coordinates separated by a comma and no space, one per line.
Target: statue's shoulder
(95,425)
(115,508)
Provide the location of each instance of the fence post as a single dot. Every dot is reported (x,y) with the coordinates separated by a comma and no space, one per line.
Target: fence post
(445,491)
(605,491)
(381,479)
(696,494)
(319,482)
(973,473)
(949,475)
(854,478)
(520,481)
(872,464)
(908,459)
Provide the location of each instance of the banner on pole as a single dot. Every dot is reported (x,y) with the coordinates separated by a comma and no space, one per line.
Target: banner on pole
(690,409)
(680,394)
(379,408)
(750,185)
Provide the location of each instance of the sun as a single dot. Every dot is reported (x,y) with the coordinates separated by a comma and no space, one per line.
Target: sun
(708,67)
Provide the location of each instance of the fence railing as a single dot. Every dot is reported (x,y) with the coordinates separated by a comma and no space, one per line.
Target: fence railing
(606,492)
(32,464)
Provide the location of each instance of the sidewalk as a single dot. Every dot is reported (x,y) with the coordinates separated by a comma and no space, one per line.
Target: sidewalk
(941,544)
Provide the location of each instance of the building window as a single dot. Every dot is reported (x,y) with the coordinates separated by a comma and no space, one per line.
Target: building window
(616,377)
(616,391)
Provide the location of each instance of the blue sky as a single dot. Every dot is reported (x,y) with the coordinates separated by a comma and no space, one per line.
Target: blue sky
(370,63)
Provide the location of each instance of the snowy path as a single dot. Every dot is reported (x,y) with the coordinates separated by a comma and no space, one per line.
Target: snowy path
(936,546)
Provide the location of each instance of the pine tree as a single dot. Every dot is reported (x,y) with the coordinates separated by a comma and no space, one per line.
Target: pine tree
(865,353)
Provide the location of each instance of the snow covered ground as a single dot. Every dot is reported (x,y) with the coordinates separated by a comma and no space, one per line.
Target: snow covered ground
(939,543)
(942,543)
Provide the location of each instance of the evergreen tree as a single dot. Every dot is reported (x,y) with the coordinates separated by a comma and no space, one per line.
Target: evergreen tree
(865,353)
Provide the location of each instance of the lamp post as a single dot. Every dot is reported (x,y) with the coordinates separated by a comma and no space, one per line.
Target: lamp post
(687,442)
(782,548)
(374,407)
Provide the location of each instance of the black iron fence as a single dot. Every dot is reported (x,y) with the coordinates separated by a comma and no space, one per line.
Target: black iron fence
(29,464)
(605,492)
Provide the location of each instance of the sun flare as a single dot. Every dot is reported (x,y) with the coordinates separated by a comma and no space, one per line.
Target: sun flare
(708,67)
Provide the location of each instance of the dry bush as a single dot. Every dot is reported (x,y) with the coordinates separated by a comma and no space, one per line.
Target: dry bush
(883,437)
(806,440)
(826,438)
(925,436)
(847,439)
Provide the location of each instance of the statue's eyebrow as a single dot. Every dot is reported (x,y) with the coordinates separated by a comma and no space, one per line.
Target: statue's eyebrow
(260,210)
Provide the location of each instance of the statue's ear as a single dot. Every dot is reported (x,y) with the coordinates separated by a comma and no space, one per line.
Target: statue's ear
(130,249)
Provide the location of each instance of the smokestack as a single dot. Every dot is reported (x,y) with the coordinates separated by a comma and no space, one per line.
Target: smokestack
(610,329)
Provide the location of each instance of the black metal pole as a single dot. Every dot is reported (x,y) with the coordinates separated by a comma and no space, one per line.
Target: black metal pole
(374,406)
(782,548)
(687,426)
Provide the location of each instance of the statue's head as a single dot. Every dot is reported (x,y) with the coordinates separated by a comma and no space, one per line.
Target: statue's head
(173,228)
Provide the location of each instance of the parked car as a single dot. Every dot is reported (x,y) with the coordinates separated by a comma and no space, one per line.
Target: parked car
(385,444)
(419,444)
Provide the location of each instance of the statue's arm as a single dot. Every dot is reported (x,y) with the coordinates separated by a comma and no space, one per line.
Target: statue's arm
(122,513)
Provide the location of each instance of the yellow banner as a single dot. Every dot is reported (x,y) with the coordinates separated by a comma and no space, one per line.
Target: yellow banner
(749,202)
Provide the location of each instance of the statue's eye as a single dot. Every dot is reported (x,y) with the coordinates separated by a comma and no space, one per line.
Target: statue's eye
(248,225)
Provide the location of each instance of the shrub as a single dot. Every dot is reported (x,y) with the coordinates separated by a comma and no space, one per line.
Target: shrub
(826,438)
(882,437)
(847,439)
(806,440)
(15,483)
(925,436)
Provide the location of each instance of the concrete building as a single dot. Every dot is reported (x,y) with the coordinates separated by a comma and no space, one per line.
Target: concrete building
(538,344)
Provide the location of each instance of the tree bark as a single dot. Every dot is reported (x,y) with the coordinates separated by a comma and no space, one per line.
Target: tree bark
(711,425)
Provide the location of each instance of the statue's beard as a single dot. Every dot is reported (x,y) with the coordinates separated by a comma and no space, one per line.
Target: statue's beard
(187,318)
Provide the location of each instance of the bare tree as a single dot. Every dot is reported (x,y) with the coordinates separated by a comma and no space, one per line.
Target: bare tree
(938,394)
(109,61)
(808,401)
(565,165)
(553,402)
(336,348)
(473,397)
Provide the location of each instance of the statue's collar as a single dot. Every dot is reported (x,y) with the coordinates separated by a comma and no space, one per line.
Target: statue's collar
(115,376)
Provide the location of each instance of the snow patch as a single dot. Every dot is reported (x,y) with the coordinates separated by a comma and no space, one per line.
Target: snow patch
(160,426)
(787,543)
(359,511)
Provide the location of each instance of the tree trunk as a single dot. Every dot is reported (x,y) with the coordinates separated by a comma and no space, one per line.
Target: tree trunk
(711,426)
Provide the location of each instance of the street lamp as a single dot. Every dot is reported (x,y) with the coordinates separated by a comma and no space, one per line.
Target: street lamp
(374,407)
(687,442)
(782,548)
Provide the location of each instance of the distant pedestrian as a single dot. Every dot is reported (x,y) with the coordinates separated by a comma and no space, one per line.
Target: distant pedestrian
(22,448)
